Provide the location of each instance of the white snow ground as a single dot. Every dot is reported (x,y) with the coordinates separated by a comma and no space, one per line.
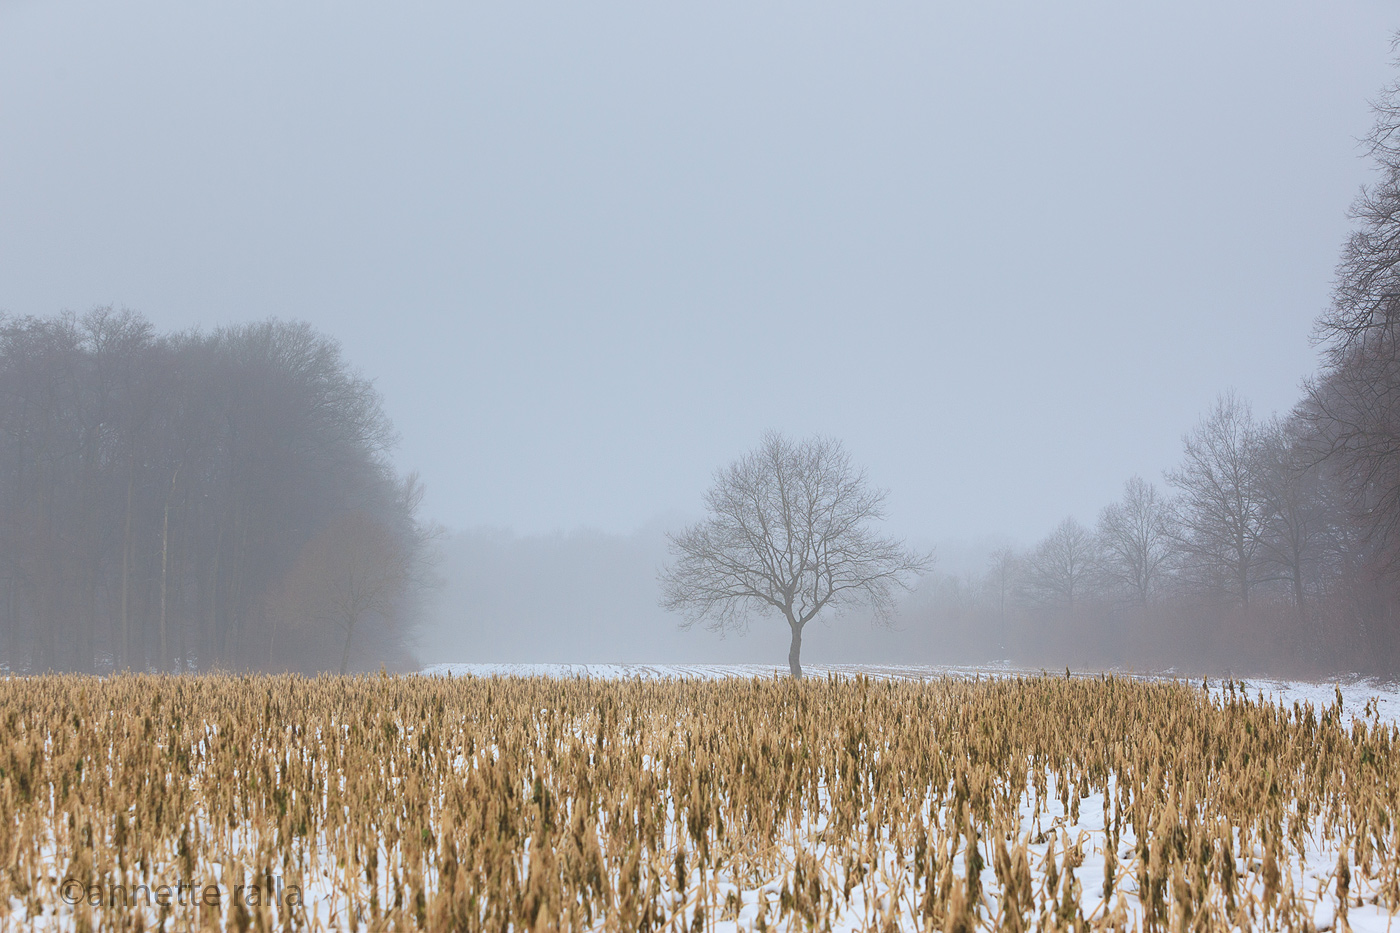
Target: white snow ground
(1356,691)
(703,671)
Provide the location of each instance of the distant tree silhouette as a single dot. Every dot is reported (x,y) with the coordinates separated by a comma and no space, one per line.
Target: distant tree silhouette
(789,531)
(156,491)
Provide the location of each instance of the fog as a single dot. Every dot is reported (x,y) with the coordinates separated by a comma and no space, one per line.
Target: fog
(588,597)
(1008,253)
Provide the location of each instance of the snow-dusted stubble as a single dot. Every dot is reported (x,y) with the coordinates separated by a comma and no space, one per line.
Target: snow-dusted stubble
(845,803)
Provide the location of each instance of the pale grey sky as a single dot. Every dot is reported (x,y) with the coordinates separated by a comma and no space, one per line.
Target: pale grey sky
(1007,251)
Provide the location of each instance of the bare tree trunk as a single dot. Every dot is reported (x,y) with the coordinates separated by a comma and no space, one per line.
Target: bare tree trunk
(1243,575)
(183,620)
(12,629)
(43,631)
(126,571)
(234,624)
(209,649)
(1001,622)
(164,563)
(85,637)
(794,653)
(345,653)
(1298,591)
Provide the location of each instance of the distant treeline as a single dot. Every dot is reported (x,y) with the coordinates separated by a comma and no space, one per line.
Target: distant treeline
(196,500)
(1268,550)
(1276,544)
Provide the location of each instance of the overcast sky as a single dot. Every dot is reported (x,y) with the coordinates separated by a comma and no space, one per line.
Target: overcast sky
(1007,252)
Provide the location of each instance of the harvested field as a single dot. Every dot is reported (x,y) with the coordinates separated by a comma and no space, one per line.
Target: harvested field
(842,803)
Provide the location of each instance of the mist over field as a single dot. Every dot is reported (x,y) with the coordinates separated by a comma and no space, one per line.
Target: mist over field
(590,597)
(1078,305)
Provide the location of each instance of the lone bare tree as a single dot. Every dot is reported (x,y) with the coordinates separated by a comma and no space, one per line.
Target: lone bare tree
(788,530)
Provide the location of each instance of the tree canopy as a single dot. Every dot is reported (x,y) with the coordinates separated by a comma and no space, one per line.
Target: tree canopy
(156,492)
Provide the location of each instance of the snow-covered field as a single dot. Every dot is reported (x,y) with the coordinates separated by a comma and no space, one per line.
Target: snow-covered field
(1081,828)
(1356,692)
(1075,841)
(704,671)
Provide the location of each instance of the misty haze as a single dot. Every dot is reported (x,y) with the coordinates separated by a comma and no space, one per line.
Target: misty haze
(630,467)
(1010,261)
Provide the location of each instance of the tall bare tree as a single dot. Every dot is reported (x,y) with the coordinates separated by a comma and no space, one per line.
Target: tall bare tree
(1135,540)
(1296,523)
(1220,512)
(1353,405)
(1365,310)
(789,532)
(1063,569)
